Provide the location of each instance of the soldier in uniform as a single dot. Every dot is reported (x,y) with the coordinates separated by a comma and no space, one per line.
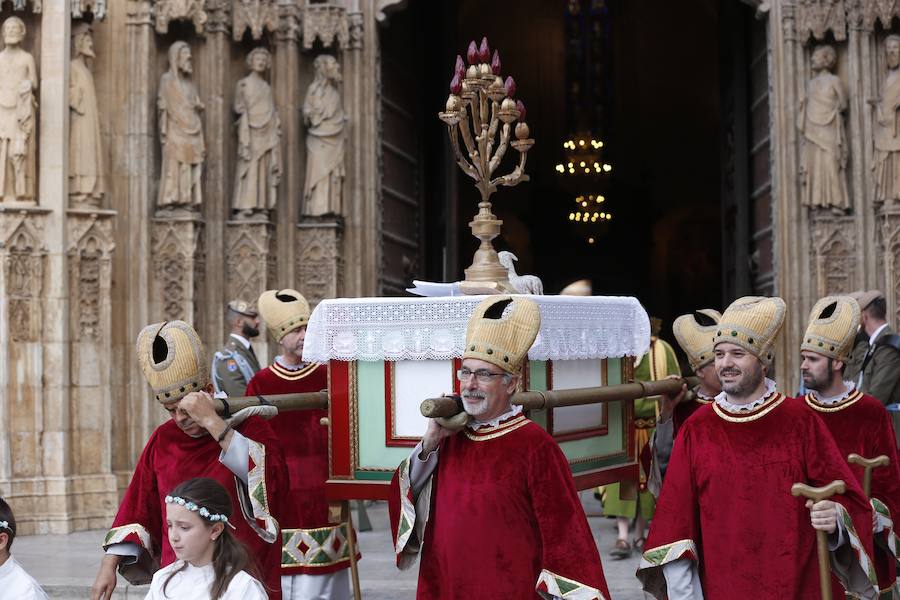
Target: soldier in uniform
(235,365)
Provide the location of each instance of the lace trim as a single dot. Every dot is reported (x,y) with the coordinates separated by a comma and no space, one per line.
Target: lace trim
(744,417)
(490,433)
(373,329)
(476,425)
(849,388)
(292,373)
(703,398)
(722,400)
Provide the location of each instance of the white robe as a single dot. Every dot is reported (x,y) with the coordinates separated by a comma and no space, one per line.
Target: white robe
(193,583)
(16,583)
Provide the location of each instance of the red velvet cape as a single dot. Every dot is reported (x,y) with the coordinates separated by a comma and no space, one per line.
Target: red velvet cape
(683,411)
(726,502)
(321,547)
(860,424)
(505,518)
(171,457)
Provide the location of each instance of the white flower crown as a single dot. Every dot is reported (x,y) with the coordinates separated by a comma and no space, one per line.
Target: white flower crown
(194,507)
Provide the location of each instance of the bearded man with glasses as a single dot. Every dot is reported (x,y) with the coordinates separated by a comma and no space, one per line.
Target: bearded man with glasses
(487,496)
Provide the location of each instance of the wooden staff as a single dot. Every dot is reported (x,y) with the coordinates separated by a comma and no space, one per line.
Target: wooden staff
(868,464)
(304,401)
(817,494)
(351,543)
(450,405)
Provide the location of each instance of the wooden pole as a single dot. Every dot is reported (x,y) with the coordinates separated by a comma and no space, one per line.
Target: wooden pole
(351,542)
(304,401)
(449,405)
(816,494)
(868,464)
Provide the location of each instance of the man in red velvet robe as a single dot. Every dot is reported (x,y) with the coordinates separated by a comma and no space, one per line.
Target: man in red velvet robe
(488,496)
(242,454)
(315,552)
(727,526)
(858,422)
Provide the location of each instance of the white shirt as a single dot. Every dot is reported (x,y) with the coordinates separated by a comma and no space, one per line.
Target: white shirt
(193,583)
(242,340)
(16,584)
(875,335)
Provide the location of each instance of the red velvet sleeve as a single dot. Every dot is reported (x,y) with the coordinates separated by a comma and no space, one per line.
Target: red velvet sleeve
(885,499)
(675,533)
(139,519)
(570,559)
(825,464)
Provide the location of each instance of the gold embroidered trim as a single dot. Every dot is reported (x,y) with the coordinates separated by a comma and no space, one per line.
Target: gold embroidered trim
(851,399)
(118,535)
(777,398)
(294,375)
(499,431)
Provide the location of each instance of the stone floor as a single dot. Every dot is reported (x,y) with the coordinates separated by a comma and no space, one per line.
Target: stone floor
(66,565)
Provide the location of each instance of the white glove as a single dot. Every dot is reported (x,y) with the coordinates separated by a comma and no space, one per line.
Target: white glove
(454,423)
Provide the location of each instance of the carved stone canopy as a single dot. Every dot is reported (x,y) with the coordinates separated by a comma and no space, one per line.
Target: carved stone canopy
(79,7)
(815,18)
(181,10)
(256,16)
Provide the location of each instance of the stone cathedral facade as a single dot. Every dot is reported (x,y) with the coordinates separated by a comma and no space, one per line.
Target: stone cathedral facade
(160,157)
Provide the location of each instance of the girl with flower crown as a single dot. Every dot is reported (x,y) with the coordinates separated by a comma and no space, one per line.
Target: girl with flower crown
(212,564)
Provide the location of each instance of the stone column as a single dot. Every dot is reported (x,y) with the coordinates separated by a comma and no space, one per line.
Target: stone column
(287,89)
(792,276)
(362,187)
(134,408)
(215,87)
(319,257)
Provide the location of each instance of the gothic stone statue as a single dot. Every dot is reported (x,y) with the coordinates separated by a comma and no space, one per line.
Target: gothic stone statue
(886,127)
(17,115)
(324,116)
(86,183)
(181,133)
(823,161)
(259,139)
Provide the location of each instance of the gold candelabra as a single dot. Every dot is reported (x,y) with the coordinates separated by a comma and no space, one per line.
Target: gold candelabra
(479,101)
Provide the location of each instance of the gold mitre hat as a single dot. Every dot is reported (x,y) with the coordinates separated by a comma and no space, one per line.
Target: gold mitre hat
(283,311)
(833,323)
(753,323)
(173,360)
(696,339)
(501,331)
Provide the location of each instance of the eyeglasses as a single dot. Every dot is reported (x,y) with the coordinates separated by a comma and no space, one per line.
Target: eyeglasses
(481,375)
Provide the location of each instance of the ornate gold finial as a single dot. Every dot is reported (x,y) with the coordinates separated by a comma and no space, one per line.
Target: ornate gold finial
(480,100)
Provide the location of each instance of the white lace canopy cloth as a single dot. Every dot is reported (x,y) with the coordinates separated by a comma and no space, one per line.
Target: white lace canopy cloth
(373,329)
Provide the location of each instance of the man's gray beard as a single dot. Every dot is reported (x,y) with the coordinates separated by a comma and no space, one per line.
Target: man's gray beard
(744,387)
(476,406)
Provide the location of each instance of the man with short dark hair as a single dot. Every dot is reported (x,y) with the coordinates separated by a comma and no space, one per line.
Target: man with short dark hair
(858,422)
(235,365)
(14,581)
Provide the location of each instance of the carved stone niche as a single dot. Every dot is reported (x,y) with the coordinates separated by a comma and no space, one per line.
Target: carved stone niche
(22,258)
(181,10)
(22,5)
(178,266)
(95,7)
(91,245)
(890,227)
(250,251)
(833,255)
(327,22)
(320,263)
